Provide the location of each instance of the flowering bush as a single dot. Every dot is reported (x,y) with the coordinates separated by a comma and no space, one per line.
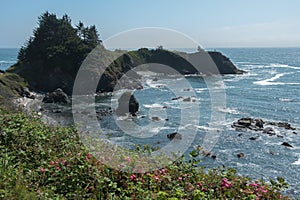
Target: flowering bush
(43,162)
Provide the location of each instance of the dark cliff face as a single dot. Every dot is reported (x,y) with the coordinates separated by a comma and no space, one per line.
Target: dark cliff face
(224,65)
(47,79)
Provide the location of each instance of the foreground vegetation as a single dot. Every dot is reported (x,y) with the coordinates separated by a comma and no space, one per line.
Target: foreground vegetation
(38,161)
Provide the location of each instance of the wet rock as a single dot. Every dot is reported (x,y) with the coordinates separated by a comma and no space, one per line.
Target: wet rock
(26,93)
(174,135)
(295,133)
(206,153)
(254,138)
(284,125)
(155,79)
(269,131)
(246,122)
(287,145)
(259,123)
(254,128)
(240,134)
(164,107)
(280,136)
(214,157)
(155,119)
(187,99)
(57,110)
(240,155)
(58,96)
(127,104)
(176,98)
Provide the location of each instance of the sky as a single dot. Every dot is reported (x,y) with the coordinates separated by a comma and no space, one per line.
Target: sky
(212,23)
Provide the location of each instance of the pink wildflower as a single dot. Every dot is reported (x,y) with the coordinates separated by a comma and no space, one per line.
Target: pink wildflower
(52,162)
(128,159)
(133,177)
(253,184)
(226,183)
(88,156)
(199,184)
(180,178)
(42,169)
(163,170)
(156,178)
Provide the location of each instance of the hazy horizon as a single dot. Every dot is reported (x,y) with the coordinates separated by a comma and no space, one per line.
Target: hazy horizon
(218,24)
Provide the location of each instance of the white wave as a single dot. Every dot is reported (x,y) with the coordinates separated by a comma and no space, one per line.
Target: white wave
(154,84)
(283,66)
(229,110)
(7,62)
(199,90)
(155,105)
(206,128)
(270,81)
(285,99)
(296,162)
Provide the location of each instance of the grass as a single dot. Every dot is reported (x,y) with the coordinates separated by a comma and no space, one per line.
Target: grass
(11,86)
(39,161)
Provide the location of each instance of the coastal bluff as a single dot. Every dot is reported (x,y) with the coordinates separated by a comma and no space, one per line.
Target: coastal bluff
(43,78)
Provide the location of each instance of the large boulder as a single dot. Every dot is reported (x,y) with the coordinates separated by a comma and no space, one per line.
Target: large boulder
(58,96)
(127,104)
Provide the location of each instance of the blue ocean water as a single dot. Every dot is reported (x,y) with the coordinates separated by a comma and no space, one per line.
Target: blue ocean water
(270,90)
(8,57)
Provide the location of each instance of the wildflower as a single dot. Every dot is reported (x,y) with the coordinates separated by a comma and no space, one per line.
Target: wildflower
(261,189)
(128,159)
(42,169)
(156,178)
(65,163)
(163,170)
(88,156)
(52,162)
(199,184)
(225,183)
(180,178)
(121,165)
(253,184)
(133,177)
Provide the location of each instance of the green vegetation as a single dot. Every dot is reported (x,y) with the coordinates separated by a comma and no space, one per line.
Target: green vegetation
(11,85)
(38,161)
(52,56)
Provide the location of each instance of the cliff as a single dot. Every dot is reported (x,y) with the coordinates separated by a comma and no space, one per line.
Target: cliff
(47,78)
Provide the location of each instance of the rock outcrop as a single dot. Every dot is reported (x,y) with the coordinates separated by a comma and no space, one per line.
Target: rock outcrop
(57,96)
(127,104)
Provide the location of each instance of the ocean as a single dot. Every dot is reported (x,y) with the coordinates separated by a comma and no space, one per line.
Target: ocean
(8,57)
(269,90)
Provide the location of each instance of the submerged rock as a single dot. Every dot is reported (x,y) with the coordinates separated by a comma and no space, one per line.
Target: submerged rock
(240,155)
(58,96)
(269,131)
(174,135)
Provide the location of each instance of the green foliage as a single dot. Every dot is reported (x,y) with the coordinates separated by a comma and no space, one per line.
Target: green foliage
(56,47)
(38,161)
(11,85)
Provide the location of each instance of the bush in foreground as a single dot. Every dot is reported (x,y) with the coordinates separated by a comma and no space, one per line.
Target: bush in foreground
(38,161)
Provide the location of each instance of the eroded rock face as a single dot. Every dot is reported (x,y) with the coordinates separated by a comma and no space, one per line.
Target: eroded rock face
(58,96)
(127,104)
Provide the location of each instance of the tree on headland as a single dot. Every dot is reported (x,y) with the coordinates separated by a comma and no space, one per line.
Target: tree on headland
(55,46)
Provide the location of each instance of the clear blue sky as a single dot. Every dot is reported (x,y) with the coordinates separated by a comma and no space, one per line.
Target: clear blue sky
(216,23)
